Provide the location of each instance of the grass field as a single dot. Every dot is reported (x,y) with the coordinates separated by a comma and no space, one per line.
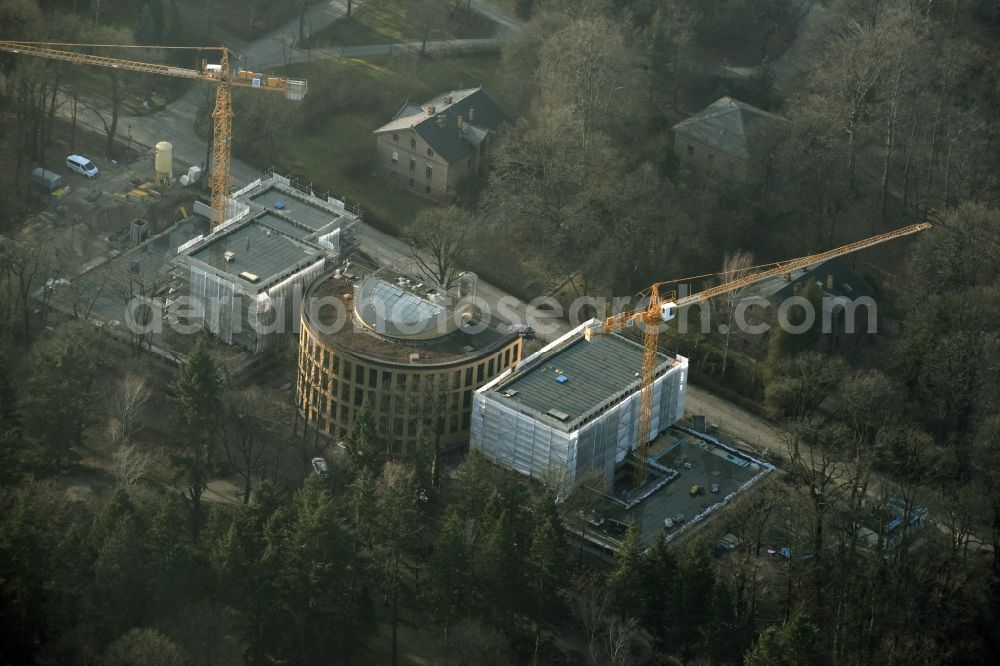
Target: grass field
(381,21)
(330,142)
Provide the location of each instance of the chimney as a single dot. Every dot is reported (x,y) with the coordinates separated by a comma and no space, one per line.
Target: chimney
(472,114)
(442,121)
(430,110)
(459,121)
(447,99)
(829,281)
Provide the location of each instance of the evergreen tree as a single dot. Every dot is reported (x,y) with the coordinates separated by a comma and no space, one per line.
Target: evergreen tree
(448,588)
(659,574)
(692,603)
(144,647)
(121,578)
(11,431)
(198,397)
(397,530)
(363,450)
(795,643)
(60,396)
(625,582)
(547,558)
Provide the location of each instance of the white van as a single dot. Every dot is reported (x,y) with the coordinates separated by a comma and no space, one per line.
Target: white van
(82,166)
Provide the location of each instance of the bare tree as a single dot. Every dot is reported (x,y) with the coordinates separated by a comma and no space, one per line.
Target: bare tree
(131,464)
(126,406)
(734,267)
(247,434)
(438,240)
(588,66)
(618,639)
(591,604)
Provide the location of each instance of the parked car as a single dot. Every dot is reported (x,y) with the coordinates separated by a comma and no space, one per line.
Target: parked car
(668,523)
(82,166)
(678,518)
(696,490)
(320,467)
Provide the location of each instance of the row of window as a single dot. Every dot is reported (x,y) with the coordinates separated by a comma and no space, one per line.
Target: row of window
(730,164)
(428,169)
(413,144)
(360,375)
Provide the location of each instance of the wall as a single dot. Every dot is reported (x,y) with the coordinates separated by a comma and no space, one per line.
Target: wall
(708,160)
(444,178)
(535,447)
(333,384)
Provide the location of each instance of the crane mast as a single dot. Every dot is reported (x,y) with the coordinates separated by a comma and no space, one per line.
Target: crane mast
(662,308)
(219,74)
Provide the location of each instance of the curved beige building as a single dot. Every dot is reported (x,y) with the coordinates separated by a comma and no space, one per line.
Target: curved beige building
(416,354)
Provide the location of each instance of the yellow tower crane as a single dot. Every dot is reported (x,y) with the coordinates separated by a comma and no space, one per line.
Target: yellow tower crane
(219,74)
(662,307)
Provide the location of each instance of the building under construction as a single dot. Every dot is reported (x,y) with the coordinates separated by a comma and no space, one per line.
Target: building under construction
(568,414)
(414,352)
(249,273)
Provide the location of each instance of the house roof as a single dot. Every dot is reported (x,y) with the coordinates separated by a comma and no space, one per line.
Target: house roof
(440,129)
(577,379)
(846,282)
(727,125)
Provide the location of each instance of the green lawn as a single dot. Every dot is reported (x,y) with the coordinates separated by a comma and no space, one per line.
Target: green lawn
(329,140)
(381,21)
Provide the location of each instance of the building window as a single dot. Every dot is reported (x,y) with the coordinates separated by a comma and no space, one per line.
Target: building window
(395,157)
(359,397)
(490,370)
(429,171)
(359,374)
(467,400)
(690,149)
(413,142)
(372,377)
(395,137)
(411,182)
(400,381)
(413,165)
(506,358)
(479,373)
(346,374)
(427,189)
(430,153)
(468,376)
(392,174)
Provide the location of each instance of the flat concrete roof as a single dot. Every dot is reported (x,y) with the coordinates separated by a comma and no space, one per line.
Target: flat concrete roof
(308,214)
(699,463)
(577,378)
(257,249)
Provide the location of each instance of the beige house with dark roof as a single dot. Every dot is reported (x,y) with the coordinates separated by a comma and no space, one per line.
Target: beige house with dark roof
(722,137)
(430,148)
